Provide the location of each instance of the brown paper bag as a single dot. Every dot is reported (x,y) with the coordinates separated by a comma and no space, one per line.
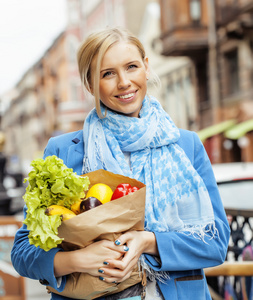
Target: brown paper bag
(106,221)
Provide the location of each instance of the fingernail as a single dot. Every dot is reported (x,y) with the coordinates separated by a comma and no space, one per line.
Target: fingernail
(101,278)
(126,248)
(101,271)
(117,242)
(105,263)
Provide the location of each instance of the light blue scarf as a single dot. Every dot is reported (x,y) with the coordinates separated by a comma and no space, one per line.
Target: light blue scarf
(176,197)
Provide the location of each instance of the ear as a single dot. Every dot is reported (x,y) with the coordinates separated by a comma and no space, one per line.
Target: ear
(146,64)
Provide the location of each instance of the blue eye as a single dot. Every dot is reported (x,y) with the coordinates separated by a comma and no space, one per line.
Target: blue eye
(132,66)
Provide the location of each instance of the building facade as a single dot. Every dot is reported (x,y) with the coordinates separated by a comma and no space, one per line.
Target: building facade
(217,37)
(49,99)
(32,114)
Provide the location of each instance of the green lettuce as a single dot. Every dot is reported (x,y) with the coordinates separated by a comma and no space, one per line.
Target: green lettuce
(50,183)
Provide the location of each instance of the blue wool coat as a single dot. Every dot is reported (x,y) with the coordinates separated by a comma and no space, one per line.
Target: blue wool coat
(183,256)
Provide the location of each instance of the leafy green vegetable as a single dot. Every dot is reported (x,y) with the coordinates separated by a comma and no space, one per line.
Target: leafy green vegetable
(43,229)
(50,183)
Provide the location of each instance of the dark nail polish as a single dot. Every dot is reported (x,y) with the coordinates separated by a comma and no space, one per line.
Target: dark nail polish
(105,263)
(117,242)
(101,278)
(101,271)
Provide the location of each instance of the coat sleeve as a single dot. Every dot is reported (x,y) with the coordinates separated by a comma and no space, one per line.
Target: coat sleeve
(33,262)
(181,251)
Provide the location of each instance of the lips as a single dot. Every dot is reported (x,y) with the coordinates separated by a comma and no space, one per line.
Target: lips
(127,96)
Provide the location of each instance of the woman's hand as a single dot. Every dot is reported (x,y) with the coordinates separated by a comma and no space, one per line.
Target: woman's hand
(138,242)
(87,260)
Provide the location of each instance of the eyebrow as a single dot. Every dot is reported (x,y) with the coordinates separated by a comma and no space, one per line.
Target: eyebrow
(128,63)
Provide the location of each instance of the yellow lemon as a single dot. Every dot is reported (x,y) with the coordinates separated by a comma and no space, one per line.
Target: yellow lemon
(100,191)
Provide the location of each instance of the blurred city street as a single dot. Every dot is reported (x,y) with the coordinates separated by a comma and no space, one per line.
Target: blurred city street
(201,59)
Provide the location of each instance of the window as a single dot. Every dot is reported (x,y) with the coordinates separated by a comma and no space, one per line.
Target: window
(201,72)
(195,11)
(190,101)
(232,72)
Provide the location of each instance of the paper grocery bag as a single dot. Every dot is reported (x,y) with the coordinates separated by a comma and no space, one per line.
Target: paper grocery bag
(106,221)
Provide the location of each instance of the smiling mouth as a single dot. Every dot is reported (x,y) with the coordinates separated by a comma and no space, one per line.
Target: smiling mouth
(127,96)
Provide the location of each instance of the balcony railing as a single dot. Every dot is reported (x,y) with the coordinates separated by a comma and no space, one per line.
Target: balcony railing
(185,41)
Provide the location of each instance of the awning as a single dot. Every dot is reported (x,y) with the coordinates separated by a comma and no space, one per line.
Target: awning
(239,130)
(215,129)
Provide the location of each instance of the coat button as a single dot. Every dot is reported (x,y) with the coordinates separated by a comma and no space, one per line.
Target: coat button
(44,281)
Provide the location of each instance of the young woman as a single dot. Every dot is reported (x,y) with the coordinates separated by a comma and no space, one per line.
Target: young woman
(129,133)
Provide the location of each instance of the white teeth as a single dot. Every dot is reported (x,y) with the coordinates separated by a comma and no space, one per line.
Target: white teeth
(126,96)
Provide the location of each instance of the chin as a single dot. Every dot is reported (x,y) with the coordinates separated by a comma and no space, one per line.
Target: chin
(132,112)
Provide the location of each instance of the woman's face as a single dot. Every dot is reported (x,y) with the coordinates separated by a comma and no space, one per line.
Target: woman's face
(123,79)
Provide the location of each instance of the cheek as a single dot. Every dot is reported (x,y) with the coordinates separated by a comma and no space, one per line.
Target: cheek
(106,92)
(142,77)
(107,86)
(143,81)
(103,89)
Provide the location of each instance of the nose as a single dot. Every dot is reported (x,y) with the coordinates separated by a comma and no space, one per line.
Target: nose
(123,81)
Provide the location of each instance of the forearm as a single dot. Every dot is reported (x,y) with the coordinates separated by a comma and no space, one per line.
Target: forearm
(64,263)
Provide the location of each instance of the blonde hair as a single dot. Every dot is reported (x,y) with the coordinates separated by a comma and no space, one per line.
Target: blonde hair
(96,45)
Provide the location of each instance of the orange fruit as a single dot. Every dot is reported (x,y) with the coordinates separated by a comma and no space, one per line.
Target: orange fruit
(100,191)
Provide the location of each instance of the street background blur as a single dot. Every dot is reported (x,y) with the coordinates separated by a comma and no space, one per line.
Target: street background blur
(202,51)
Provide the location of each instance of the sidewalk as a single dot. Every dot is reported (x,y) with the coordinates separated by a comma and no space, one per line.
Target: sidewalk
(35,291)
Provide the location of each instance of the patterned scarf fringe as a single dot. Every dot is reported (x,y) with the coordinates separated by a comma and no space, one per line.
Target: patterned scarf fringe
(151,274)
(199,232)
